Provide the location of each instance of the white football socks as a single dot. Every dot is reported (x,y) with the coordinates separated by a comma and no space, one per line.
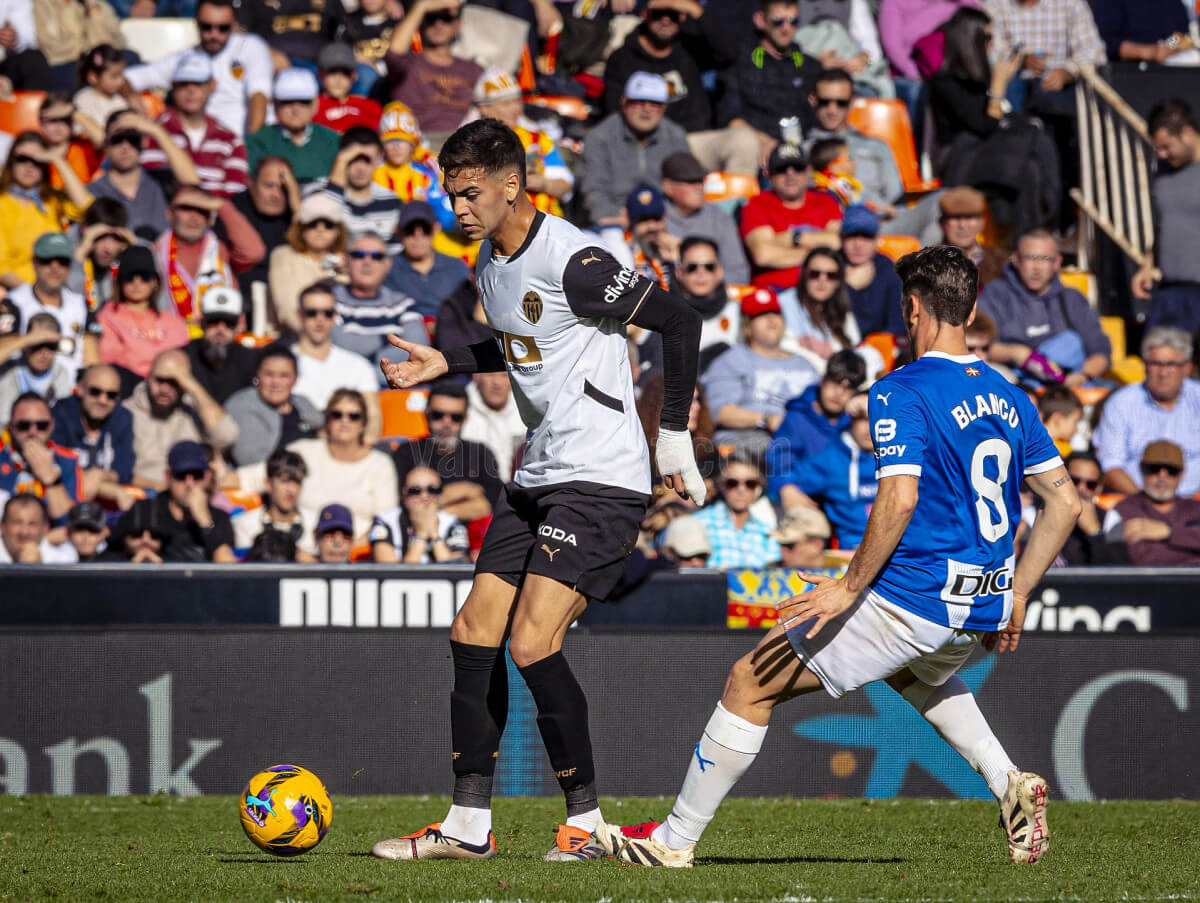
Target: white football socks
(955,715)
(586,820)
(726,750)
(466,824)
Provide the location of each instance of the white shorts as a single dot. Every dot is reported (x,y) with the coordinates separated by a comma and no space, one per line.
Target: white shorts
(874,639)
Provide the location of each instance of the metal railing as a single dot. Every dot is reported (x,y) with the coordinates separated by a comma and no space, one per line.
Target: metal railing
(1114,174)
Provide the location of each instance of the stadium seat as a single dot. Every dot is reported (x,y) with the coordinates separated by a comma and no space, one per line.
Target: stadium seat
(885,344)
(1125,368)
(1082,281)
(896,246)
(152,39)
(564,105)
(153,103)
(888,121)
(404,413)
(729,186)
(21,113)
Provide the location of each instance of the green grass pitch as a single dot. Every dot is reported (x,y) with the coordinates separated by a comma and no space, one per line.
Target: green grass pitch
(164,849)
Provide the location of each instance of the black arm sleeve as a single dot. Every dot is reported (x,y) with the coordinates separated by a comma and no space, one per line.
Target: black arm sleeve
(481,357)
(595,285)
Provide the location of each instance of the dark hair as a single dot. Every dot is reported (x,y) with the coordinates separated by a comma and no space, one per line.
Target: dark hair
(272,545)
(354,395)
(108,211)
(693,241)
(833,77)
(1057,399)
(228,4)
(360,134)
(282,352)
(765,5)
(284,462)
(24,397)
(113,117)
(448,388)
(6,177)
(945,280)
(829,314)
(95,60)
(846,365)
(1083,456)
(1173,114)
(45,320)
(55,97)
(487,143)
(824,152)
(966,46)
(320,287)
(25,498)
(263,162)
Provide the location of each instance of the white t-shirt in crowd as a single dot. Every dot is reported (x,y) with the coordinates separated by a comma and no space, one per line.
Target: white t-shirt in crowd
(51,554)
(72,318)
(342,369)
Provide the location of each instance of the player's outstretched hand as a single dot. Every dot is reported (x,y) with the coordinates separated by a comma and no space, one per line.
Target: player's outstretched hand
(828,598)
(676,460)
(423,364)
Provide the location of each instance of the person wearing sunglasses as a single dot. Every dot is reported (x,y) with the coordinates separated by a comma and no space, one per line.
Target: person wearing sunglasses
(1158,526)
(38,368)
(103,235)
(309,148)
(221,363)
(134,330)
(313,252)
(699,278)
(820,321)
(241,67)
(422,272)
(59,121)
(740,537)
(1087,543)
(269,414)
(94,425)
(31,462)
(802,534)
(417,532)
(872,286)
(323,366)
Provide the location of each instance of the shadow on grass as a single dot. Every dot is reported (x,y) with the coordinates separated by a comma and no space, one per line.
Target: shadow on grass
(795,860)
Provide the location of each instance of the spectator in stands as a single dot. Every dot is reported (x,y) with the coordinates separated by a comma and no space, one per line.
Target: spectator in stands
(434,83)
(840,479)
(368,311)
(23,531)
(59,122)
(905,29)
(102,237)
(409,169)
(342,467)
(30,205)
(99,431)
(473,482)
(334,534)
(1086,544)
(140,536)
(685,543)
(369,31)
(688,215)
(296,31)
(368,206)
(87,532)
(134,330)
(1175,301)
(337,108)
(748,386)
(216,150)
(280,513)
(241,65)
(269,204)
(417,532)
(103,89)
(1160,526)
(815,418)
(309,148)
(127,182)
(1165,406)
(802,534)
(677,41)
(421,273)
(169,408)
(324,367)
(962,212)
(31,462)
(1046,329)
(24,65)
(313,252)
(493,420)
(738,538)
(767,83)
(1150,32)
(782,225)
(820,320)
(699,279)
(269,415)
(191,257)
(628,147)
(650,247)
(981,334)
(219,361)
(1060,411)
(870,278)
(193,529)
(37,370)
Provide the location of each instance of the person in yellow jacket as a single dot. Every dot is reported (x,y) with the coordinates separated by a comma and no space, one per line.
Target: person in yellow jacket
(29,206)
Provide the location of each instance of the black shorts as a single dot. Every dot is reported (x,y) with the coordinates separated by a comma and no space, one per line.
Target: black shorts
(577,533)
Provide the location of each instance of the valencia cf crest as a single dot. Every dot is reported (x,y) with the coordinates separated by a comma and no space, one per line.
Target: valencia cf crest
(531,306)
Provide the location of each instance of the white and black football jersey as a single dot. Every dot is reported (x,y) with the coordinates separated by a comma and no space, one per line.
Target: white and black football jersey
(558,307)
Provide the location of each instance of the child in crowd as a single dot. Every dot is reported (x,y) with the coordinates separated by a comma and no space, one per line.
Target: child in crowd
(337,107)
(1060,411)
(833,171)
(58,120)
(102,86)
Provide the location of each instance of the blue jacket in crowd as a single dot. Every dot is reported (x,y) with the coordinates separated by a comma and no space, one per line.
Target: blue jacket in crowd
(876,308)
(803,433)
(114,447)
(841,477)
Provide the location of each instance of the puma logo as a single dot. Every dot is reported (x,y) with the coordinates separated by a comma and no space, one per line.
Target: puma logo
(883,398)
(592,259)
(550,553)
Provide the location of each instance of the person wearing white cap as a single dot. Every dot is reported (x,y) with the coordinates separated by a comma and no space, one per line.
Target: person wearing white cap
(802,534)
(685,541)
(218,153)
(628,148)
(308,147)
(219,362)
(313,251)
(241,68)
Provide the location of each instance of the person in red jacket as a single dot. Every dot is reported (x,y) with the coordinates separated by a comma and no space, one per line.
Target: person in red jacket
(337,108)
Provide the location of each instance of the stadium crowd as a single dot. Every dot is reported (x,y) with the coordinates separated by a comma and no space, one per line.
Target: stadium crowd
(201,257)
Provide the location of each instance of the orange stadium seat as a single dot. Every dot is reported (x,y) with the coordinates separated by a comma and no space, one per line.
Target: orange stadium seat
(153,103)
(21,113)
(563,105)
(896,246)
(404,413)
(729,186)
(888,121)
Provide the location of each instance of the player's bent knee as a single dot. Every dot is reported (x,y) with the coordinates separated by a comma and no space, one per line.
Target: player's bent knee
(529,647)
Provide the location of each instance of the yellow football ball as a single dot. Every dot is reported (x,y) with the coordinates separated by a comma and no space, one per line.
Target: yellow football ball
(285,810)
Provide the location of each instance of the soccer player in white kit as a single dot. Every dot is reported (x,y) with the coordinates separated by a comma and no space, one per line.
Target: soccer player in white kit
(933,577)
(558,304)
